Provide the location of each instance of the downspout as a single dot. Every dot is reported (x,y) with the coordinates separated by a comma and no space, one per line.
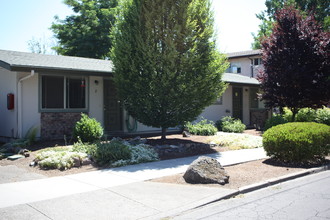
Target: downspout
(252,75)
(20,104)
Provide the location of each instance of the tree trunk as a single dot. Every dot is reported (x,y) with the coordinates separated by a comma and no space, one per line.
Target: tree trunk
(294,113)
(163,133)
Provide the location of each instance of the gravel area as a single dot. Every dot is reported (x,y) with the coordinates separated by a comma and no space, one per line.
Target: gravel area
(241,174)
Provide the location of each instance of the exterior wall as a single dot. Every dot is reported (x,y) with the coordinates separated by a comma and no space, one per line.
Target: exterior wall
(140,127)
(96,98)
(246,66)
(28,102)
(8,122)
(216,112)
(56,125)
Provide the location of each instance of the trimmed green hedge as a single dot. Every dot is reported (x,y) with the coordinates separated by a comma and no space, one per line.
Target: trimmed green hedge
(298,142)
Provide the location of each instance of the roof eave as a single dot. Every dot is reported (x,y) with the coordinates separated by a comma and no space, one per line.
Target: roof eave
(21,68)
(242,84)
(5,65)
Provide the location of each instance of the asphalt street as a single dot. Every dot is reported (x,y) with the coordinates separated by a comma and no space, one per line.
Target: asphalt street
(303,198)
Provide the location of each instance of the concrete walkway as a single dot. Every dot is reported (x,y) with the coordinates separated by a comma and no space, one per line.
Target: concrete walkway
(113,193)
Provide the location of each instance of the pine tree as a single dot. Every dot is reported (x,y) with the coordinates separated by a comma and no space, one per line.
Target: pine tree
(297,63)
(167,69)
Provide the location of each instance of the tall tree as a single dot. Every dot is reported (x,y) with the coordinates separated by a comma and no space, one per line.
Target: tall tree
(167,68)
(320,8)
(87,32)
(41,45)
(296,63)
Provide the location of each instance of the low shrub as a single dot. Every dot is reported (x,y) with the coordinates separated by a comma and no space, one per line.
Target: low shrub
(306,115)
(220,122)
(111,151)
(298,142)
(139,154)
(323,116)
(81,147)
(58,159)
(287,114)
(87,129)
(236,141)
(204,127)
(230,124)
(275,120)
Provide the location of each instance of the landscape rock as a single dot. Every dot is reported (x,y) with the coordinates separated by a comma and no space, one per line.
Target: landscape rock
(86,161)
(206,170)
(33,164)
(186,134)
(15,157)
(76,162)
(24,152)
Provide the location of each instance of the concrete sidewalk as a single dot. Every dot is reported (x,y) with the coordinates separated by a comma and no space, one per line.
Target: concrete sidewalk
(113,193)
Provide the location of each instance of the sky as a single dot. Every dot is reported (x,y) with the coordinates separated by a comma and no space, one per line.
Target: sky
(23,20)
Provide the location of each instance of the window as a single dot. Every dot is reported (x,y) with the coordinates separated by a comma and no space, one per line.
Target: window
(234,68)
(75,93)
(61,92)
(257,61)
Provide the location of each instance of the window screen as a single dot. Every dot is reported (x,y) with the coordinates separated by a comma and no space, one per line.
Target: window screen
(52,92)
(60,92)
(75,93)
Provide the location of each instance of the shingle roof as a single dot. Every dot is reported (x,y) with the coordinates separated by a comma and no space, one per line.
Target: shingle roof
(244,53)
(239,79)
(22,60)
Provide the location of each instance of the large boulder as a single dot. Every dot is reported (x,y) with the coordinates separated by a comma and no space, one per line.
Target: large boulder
(206,170)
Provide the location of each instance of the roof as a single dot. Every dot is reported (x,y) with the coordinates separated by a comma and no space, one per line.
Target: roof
(18,61)
(246,53)
(239,79)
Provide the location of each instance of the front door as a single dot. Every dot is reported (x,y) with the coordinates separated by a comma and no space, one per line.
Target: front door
(112,107)
(238,103)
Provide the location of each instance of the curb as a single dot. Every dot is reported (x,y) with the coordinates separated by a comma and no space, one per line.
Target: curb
(270,182)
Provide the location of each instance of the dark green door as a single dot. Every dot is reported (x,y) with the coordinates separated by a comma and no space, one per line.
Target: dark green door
(238,103)
(112,107)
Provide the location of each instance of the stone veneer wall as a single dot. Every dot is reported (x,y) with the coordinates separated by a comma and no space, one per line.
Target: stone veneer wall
(54,125)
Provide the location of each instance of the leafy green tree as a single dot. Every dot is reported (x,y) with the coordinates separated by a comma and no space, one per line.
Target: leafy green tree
(87,32)
(320,8)
(296,63)
(167,68)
